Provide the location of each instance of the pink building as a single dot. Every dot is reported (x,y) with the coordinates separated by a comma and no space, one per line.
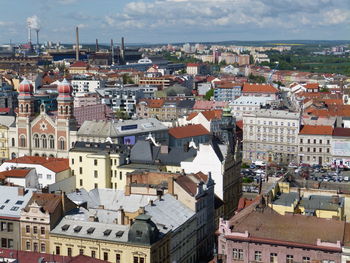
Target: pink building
(259,234)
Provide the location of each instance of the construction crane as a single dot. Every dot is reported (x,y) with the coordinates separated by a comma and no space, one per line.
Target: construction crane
(269,80)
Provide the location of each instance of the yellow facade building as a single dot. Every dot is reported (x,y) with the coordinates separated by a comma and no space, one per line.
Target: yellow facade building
(4,149)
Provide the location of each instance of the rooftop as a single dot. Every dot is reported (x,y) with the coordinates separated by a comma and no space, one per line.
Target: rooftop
(316,130)
(258,88)
(12,200)
(54,164)
(188,131)
(286,199)
(278,114)
(341,132)
(16,173)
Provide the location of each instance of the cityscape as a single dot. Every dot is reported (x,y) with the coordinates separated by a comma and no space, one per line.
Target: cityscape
(175,131)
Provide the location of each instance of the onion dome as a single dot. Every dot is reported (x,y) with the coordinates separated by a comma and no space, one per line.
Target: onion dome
(25,86)
(64,88)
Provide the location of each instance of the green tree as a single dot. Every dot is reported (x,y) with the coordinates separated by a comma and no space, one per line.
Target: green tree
(120,114)
(209,94)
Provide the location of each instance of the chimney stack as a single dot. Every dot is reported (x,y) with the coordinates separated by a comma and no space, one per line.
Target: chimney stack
(37,37)
(97,47)
(112,51)
(29,34)
(122,51)
(77,44)
(21,191)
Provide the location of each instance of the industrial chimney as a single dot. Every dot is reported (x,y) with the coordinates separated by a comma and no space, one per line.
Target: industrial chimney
(97,47)
(77,44)
(122,51)
(29,34)
(112,51)
(37,36)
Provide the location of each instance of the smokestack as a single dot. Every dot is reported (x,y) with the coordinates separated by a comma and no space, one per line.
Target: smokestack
(112,51)
(97,48)
(37,36)
(122,51)
(29,35)
(77,44)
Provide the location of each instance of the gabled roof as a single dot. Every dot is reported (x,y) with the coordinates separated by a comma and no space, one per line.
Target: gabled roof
(312,86)
(49,202)
(79,64)
(54,164)
(188,131)
(316,130)
(212,114)
(258,88)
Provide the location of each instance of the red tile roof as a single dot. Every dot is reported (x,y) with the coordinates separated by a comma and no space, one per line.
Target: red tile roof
(49,202)
(193,65)
(54,164)
(18,173)
(316,130)
(312,86)
(188,131)
(79,64)
(187,184)
(258,88)
(212,114)
(209,105)
(191,115)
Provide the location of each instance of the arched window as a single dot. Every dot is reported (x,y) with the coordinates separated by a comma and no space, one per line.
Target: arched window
(61,143)
(43,141)
(22,141)
(51,142)
(27,108)
(13,142)
(61,109)
(36,141)
(67,110)
(21,108)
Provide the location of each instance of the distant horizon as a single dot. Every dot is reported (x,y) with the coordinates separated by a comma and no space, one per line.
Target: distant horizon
(175,21)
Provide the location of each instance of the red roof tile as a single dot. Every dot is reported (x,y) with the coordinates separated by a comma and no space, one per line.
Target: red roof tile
(79,64)
(54,164)
(258,88)
(188,131)
(191,115)
(316,130)
(311,86)
(212,114)
(193,65)
(18,173)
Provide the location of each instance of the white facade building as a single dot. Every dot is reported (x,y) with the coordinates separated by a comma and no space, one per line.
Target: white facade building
(270,135)
(247,104)
(83,86)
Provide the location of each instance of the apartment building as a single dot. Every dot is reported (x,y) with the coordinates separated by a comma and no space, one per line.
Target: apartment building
(83,85)
(314,144)
(271,136)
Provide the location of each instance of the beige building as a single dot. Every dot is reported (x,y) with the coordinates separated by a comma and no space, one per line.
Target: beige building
(41,214)
(96,165)
(4,149)
(314,144)
(271,136)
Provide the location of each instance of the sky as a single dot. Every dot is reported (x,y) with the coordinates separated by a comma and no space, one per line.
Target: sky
(171,21)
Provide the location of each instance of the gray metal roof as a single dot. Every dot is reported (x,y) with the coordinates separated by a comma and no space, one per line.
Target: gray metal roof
(7,120)
(286,199)
(315,202)
(11,203)
(168,213)
(114,129)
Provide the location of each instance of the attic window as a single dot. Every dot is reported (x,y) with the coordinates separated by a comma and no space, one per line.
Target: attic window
(8,200)
(107,232)
(19,202)
(2,207)
(119,233)
(65,227)
(138,233)
(14,208)
(77,229)
(90,230)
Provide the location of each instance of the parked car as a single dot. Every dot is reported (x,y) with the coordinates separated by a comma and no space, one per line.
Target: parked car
(292,165)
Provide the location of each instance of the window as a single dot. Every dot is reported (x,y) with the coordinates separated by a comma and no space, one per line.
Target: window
(43,141)
(69,252)
(4,242)
(327,150)
(3,226)
(95,162)
(306,260)
(96,186)
(301,140)
(62,143)
(35,229)
(93,253)
(13,142)
(301,149)
(42,230)
(22,141)
(95,174)
(320,141)
(237,254)
(40,176)
(27,229)
(35,247)
(36,141)
(120,175)
(9,243)
(257,256)
(51,142)
(28,245)
(289,259)
(80,159)
(14,208)
(328,141)
(72,161)
(42,248)
(80,170)
(58,250)
(117,258)
(105,256)
(81,251)
(273,257)
(81,182)
(10,227)
(48,177)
